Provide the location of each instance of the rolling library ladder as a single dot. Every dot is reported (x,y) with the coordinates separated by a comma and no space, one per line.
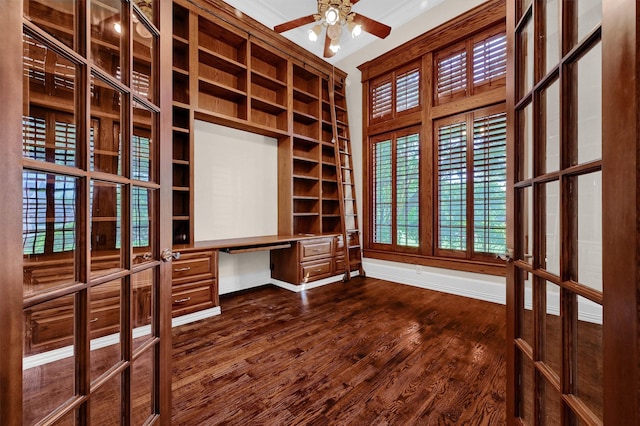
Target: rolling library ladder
(346,186)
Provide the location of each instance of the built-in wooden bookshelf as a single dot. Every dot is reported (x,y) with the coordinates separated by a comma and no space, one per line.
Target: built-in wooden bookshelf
(237,73)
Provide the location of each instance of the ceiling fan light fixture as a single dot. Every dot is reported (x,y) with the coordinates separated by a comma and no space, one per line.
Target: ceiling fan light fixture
(354,29)
(334,46)
(332,15)
(334,31)
(314,32)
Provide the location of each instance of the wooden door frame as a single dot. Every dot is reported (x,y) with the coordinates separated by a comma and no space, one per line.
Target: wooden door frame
(11,334)
(11,274)
(620,212)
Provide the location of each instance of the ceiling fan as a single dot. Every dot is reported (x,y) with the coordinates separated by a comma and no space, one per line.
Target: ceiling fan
(333,15)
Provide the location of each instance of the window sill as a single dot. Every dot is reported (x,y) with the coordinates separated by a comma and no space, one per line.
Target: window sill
(477,266)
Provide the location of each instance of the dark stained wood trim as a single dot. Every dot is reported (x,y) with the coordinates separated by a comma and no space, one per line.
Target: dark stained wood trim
(483,16)
(11,334)
(621,210)
(164,301)
(511,293)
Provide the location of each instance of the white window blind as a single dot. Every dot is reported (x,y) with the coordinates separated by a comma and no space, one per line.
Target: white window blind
(489,183)
(408,90)
(452,187)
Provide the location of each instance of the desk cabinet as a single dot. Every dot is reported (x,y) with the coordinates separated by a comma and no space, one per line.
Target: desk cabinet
(307,260)
(194,281)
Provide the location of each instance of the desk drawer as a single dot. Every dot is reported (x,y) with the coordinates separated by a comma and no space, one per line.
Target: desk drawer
(193,264)
(317,248)
(315,270)
(192,297)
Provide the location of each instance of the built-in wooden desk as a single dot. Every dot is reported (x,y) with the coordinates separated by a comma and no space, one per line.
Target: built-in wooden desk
(295,260)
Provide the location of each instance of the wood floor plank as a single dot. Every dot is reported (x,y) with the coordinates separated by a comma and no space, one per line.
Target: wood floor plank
(365,352)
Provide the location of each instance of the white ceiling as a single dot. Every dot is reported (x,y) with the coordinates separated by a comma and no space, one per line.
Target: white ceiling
(393,13)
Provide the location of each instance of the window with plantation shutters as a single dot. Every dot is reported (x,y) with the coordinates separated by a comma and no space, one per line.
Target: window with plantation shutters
(408,90)
(452,186)
(490,60)
(395,93)
(396,190)
(472,67)
(382,192)
(489,184)
(408,190)
(381,100)
(471,176)
(451,69)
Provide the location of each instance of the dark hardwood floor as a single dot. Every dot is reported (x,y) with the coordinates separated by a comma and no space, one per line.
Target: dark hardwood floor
(368,352)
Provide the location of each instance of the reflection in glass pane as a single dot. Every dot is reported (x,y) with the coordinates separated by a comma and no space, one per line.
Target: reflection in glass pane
(526,226)
(589,105)
(552,405)
(589,382)
(49,362)
(552,351)
(143,296)
(525,53)
(106,403)
(550,99)
(144,43)
(142,202)
(523,6)
(106,143)
(106,33)
(146,7)
(526,394)
(106,213)
(551,219)
(141,387)
(526,143)
(589,15)
(526,316)
(143,146)
(48,230)
(552,36)
(54,16)
(48,133)
(590,230)
(104,325)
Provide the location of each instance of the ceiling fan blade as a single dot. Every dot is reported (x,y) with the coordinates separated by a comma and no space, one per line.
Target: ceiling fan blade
(376,28)
(294,24)
(354,2)
(328,53)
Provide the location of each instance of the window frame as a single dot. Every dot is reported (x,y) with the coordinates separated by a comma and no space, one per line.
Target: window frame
(393,138)
(476,24)
(392,79)
(469,118)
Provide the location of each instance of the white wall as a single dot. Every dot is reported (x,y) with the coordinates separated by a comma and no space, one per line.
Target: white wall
(484,287)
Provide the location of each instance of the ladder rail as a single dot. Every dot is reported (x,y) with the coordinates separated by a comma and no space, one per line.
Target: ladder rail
(344,166)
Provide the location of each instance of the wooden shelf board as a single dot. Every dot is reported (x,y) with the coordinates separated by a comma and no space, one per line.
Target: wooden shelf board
(304,96)
(211,87)
(267,106)
(267,81)
(215,60)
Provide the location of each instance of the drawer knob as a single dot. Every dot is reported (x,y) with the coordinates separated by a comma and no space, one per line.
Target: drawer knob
(185,300)
(186,268)
(94,320)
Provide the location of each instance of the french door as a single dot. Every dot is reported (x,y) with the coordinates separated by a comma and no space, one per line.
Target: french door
(569,295)
(86,294)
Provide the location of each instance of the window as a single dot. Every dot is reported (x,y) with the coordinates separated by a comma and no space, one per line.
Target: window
(471,67)
(435,146)
(471,184)
(395,94)
(396,182)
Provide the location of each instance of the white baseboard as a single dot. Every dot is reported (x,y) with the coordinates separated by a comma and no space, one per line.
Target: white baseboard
(476,286)
(308,286)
